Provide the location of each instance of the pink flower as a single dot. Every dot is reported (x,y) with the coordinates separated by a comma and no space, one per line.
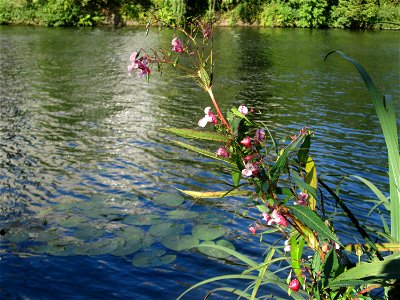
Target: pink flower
(208,118)
(247,158)
(207,31)
(287,247)
(177,45)
(222,152)
(266,217)
(253,229)
(260,135)
(141,64)
(302,197)
(250,169)
(243,109)
(275,217)
(246,142)
(294,285)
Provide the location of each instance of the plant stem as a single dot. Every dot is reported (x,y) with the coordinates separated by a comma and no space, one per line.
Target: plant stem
(220,115)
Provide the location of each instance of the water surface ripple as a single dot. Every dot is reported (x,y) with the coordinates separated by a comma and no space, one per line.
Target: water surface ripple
(74,126)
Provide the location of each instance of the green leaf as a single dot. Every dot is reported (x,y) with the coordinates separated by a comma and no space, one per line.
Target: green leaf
(282,160)
(169,199)
(300,182)
(181,214)
(151,258)
(166,229)
(312,221)
(377,271)
(208,232)
(236,176)
(179,242)
(197,134)
(302,154)
(374,189)
(332,267)
(297,244)
(199,151)
(385,110)
(229,251)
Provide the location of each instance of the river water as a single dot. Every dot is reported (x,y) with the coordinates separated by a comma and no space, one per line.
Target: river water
(75,128)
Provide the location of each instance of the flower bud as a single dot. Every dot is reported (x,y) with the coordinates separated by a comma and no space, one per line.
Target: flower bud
(246,142)
(294,285)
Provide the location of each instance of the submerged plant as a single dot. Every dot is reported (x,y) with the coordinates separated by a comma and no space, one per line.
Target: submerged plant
(280,180)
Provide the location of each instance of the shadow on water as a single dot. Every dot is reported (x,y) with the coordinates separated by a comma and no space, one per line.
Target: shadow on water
(83,165)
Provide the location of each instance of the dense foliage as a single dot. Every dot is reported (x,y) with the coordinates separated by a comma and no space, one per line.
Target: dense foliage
(279,178)
(271,13)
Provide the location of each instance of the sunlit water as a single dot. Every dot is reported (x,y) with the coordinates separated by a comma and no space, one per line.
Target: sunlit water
(76,129)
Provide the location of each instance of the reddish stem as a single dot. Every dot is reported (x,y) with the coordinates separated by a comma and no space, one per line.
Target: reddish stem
(220,115)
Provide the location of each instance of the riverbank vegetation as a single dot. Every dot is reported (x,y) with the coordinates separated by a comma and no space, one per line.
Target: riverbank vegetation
(376,14)
(305,252)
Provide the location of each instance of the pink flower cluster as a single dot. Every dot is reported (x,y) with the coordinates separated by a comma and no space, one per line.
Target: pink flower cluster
(275,217)
(141,64)
(302,199)
(177,45)
(250,169)
(208,118)
(222,152)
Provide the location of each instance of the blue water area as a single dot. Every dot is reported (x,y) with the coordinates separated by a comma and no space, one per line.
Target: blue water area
(83,163)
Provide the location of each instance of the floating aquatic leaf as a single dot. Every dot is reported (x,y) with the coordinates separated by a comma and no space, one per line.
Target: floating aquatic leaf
(179,242)
(169,199)
(147,219)
(180,214)
(216,252)
(164,229)
(208,232)
(152,258)
(88,233)
(128,247)
(129,232)
(73,221)
(48,235)
(99,247)
(17,236)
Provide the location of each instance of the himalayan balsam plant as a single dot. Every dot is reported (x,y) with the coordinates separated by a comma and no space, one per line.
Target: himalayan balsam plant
(280,180)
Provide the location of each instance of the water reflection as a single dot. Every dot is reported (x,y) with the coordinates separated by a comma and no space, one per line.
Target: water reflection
(75,127)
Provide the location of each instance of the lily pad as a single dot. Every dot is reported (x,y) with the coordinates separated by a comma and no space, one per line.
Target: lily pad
(99,247)
(216,252)
(208,232)
(130,232)
(89,233)
(152,258)
(179,242)
(147,219)
(164,229)
(181,214)
(17,236)
(169,199)
(128,247)
(48,235)
(73,221)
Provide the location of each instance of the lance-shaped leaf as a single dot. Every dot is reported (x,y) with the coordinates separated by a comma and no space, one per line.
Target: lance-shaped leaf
(197,134)
(369,273)
(217,194)
(393,247)
(282,160)
(296,245)
(199,151)
(312,180)
(312,221)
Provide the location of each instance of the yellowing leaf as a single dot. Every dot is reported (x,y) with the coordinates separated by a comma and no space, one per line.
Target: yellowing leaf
(219,194)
